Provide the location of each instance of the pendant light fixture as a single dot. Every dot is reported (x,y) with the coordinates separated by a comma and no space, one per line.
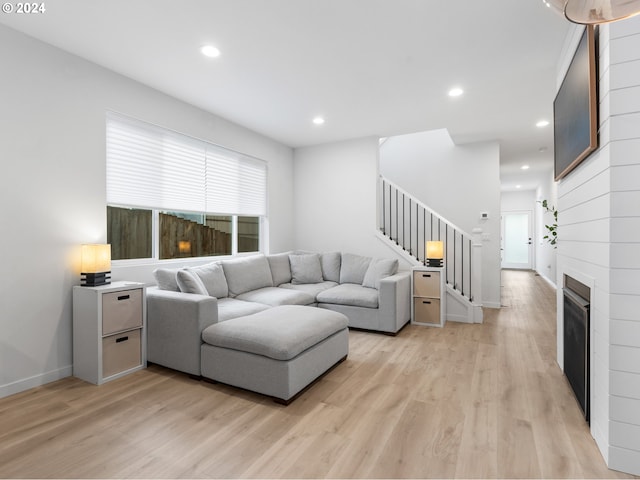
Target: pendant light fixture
(593,12)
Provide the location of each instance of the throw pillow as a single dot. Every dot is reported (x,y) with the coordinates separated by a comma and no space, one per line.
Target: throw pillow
(247,273)
(166,279)
(213,279)
(353,268)
(330,263)
(305,269)
(379,269)
(280,268)
(189,282)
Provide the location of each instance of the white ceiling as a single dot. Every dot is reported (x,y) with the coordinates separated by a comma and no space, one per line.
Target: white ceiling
(370,67)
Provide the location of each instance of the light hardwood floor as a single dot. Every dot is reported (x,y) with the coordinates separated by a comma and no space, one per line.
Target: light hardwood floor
(472,401)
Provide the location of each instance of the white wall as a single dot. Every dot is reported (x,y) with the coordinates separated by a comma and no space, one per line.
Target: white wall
(545,253)
(52,191)
(599,231)
(456,181)
(335,188)
(517,201)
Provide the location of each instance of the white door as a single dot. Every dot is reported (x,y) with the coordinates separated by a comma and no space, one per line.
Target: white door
(517,245)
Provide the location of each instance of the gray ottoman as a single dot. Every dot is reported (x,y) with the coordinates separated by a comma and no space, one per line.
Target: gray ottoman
(276,352)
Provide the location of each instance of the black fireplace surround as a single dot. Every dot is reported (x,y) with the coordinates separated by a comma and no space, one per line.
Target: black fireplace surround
(576,340)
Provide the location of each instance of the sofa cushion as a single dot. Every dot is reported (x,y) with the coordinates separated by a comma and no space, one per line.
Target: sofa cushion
(166,279)
(275,296)
(213,279)
(189,282)
(229,308)
(350,294)
(353,268)
(280,268)
(379,269)
(330,263)
(305,269)
(281,333)
(247,273)
(310,288)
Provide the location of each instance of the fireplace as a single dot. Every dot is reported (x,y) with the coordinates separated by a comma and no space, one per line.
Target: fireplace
(576,302)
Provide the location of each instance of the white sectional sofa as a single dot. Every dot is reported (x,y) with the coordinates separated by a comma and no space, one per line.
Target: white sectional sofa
(371,293)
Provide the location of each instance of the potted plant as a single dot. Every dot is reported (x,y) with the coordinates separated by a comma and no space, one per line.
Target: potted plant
(552,235)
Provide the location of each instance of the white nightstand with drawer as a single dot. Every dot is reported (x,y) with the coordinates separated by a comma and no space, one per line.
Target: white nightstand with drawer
(427,299)
(109,331)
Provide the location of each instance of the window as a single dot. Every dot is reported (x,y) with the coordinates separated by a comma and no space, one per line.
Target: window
(190,235)
(248,234)
(173,196)
(129,231)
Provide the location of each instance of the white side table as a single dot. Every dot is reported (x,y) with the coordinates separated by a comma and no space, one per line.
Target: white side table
(427,302)
(109,331)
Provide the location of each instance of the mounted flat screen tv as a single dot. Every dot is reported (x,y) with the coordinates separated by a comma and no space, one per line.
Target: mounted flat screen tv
(575,109)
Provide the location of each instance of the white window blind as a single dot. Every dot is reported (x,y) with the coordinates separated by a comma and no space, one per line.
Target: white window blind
(150,167)
(235,185)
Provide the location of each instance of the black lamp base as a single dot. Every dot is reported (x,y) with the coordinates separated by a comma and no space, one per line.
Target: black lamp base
(434,262)
(95,279)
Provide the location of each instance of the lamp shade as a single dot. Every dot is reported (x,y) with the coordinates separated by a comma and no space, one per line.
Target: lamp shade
(96,258)
(95,265)
(435,250)
(556,5)
(435,253)
(592,12)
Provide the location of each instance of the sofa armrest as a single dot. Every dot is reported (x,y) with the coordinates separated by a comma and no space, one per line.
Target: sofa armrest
(394,301)
(175,322)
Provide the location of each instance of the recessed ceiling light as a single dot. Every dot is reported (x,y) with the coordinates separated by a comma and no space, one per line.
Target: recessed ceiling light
(542,123)
(210,51)
(525,167)
(456,92)
(318,120)
(518,186)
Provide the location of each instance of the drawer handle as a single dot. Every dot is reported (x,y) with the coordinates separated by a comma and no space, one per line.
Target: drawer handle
(426,301)
(426,275)
(122,339)
(124,297)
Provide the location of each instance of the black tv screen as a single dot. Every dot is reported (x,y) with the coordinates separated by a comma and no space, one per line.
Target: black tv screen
(575,117)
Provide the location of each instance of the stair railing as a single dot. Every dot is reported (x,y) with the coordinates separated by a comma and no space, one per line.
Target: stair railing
(409,223)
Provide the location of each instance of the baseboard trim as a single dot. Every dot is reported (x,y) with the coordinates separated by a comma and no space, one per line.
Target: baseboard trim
(35,381)
(458,318)
(491,305)
(548,280)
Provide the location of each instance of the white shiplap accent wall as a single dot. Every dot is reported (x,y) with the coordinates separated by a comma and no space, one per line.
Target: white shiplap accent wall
(599,231)
(624,327)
